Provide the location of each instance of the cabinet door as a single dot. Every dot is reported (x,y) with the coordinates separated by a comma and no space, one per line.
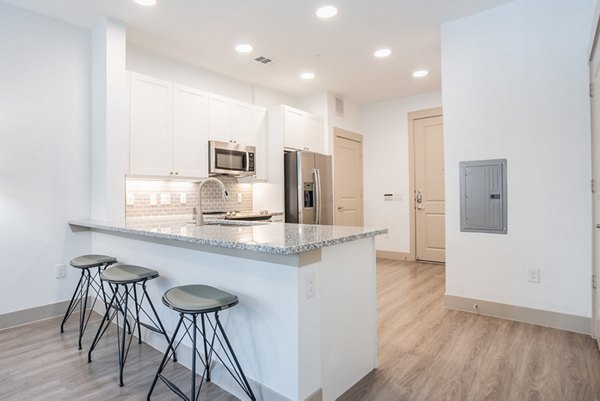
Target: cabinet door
(219,118)
(261,141)
(292,128)
(190,132)
(241,123)
(312,134)
(151,144)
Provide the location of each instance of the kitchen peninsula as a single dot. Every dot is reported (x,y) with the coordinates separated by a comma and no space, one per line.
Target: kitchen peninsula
(305,328)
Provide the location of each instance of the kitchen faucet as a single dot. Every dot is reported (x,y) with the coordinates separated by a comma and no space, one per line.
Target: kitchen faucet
(199,215)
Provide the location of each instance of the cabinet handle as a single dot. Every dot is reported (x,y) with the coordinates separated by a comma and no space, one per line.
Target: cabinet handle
(171,173)
(176,173)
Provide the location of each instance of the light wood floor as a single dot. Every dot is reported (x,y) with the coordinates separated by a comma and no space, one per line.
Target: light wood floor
(425,353)
(429,353)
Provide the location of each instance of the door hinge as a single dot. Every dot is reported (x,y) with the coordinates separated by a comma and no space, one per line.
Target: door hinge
(594,281)
(593,186)
(591,90)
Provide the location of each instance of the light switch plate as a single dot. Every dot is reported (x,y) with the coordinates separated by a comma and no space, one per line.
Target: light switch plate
(239,198)
(130,199)
(165,199)
(153,199)
(183,198)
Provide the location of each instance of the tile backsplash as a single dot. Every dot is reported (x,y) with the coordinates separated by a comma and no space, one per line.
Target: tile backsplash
(146,198)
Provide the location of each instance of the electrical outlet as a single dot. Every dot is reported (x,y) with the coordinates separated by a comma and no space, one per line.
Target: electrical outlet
(165,199)
(239,197)
(130,199)
(183,198)
(311,284)
(153,199)
(533,275)
(60,271)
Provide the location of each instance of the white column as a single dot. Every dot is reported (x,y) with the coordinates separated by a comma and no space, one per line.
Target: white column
(109,120)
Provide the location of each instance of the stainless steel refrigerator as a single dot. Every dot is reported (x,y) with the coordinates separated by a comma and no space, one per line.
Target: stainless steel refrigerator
(308,188)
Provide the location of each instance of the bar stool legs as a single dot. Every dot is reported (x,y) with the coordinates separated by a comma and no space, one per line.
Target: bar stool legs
(190,301)
(119,305)
(87,264)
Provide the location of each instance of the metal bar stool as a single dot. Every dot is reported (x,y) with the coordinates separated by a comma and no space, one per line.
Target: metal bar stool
(124,280)
(191,301)
(91,266)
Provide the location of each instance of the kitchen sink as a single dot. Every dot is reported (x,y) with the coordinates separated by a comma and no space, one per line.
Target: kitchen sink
(230,223)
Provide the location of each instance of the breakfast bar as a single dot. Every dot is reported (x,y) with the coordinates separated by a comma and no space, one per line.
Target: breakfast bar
(305,327)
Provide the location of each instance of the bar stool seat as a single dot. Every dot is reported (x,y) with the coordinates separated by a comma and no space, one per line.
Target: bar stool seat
(128,274)
(91,266)
(124,281)
(195,303)
(87,261)
(198,298)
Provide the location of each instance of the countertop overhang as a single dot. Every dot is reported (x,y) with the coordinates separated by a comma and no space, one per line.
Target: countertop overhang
(271,238)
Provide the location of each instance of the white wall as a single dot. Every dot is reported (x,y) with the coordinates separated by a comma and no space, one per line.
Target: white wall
(385,155)
(44,155)
(515,86)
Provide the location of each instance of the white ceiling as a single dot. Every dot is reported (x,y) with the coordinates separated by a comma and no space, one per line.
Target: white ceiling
(339,50)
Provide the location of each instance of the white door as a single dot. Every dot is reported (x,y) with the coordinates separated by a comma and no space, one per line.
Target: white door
(595,112)
(312,134)
(348,178)
(429,190)
(219,118)
(151,116)
(190,132)
(292,128)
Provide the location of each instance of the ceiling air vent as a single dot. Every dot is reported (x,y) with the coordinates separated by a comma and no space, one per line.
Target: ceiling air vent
(264,60)
(339,106)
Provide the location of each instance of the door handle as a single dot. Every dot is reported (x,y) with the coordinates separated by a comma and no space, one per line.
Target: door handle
(340,208)
(419,197)
(419,207)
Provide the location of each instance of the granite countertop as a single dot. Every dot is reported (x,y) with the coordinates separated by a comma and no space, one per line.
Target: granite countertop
(275,238)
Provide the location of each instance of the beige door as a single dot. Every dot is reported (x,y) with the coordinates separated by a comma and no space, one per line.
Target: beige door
(348,178)
(429,189)
(595,109)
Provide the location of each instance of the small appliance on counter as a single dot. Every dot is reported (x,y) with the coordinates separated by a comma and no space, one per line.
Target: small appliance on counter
(228,158)
(308,188)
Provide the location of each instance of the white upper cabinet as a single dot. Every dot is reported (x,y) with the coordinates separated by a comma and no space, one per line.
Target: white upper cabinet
(312,133)
(302,130)
(190,132)
(151,128)
(168,129)
(171,124)
(261,141)
(219,118)
(229,120)
(241,123)
(292,127)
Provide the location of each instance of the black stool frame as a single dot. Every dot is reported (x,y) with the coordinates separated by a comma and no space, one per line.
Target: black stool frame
(119,303)
(81,294)
(190,323)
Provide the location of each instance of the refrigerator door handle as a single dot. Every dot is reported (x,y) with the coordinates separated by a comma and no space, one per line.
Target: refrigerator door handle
(317,178)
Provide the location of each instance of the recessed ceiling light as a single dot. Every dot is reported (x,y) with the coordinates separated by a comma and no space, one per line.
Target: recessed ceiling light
(307,75)
(327,12)
(420,73)
(381,53)
(244,48)
(146,2)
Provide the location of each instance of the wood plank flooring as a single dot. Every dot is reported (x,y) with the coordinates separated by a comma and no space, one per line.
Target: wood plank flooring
(37,362)
(425,353)
(429,353)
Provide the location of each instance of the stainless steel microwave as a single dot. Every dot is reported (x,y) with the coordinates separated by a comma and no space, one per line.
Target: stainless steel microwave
(231,159)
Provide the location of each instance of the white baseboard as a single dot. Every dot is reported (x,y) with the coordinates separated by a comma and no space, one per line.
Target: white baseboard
(556,320)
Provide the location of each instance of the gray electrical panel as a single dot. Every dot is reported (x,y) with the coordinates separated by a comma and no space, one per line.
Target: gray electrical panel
(483,200)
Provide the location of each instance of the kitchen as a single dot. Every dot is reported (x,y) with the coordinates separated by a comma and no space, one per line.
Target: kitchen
(89,176)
